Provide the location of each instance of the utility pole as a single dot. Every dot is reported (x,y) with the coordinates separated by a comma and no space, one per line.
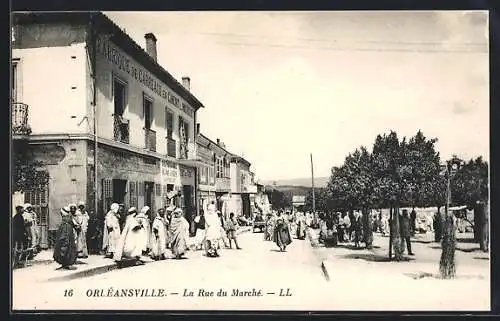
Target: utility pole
(313,195)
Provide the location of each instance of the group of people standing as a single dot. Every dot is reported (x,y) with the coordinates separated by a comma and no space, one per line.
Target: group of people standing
(26,233)
(341,228)
(278,227)
(212,229)
(131,236)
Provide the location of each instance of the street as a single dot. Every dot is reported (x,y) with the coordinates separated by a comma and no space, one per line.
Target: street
(259,265)
(259,277)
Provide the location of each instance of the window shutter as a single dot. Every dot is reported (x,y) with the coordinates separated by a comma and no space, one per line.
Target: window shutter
(133,194)
(158,189)
(140,188)
(107,194)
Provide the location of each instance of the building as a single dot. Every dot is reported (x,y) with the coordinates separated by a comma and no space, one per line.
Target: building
(243,188)
(107,121)
(206,175)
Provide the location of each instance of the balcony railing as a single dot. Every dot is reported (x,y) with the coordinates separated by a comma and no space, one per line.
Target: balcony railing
(171,147)
(183,150)
(222,184)
(121,129)
(150,136)
(20,119)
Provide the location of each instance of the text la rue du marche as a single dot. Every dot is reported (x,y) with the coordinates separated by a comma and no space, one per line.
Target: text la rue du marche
(186,293)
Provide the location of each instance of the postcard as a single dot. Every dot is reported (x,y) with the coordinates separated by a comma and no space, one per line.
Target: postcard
(232,160)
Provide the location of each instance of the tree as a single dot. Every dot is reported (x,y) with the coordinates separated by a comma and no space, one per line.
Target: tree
(469,187)
(390,174)
(27,173)
(278,199)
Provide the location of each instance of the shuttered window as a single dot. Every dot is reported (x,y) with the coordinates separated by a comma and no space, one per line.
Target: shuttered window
(133,194)
(107,194)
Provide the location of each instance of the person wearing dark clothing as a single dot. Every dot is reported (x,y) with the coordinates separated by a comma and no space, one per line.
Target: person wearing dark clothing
(65,249)
(406,230)
(357,228)
(331,231)
(282,236)
(437,225)
(20,235)
(200,230)
(94,234)
(413,221)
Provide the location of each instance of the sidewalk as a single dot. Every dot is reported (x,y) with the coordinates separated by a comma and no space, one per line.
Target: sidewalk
(408,285)
(43,267)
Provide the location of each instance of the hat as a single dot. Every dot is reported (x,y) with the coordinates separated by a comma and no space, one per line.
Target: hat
(27,205)
(132,210)
(65,211)
(72,205)
(171,208)
(115,207)
(81,203)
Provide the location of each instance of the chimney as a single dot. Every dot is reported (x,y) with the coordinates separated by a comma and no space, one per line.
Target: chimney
(151,45)
(186,82)
(218,141)
(197,128)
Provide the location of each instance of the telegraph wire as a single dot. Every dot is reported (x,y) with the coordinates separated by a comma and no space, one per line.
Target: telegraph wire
(412,50)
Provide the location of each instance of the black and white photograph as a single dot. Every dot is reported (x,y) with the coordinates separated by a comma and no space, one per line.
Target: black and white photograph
(250,160)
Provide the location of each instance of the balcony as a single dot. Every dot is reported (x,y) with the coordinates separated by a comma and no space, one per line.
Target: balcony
(150,136)
(20,125)
(171,147)
(121,129)
(222,184)
(187,155)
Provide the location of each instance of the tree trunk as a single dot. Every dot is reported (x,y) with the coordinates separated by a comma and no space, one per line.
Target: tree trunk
(368,229)
(438,226)
(396,238)
(390,233)
(478,222)
(447,268)
(484,227)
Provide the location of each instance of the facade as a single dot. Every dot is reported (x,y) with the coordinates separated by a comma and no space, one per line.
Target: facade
(206,175)
(243,188)
(110,125)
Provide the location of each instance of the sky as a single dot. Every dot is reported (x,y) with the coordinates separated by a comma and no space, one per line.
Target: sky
(278,86)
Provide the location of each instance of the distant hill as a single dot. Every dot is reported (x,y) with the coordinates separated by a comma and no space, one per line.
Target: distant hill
(305,182)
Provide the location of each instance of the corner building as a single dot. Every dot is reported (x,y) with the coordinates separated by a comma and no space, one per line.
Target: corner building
(107,121)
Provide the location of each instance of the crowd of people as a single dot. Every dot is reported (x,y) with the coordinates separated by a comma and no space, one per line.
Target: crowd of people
(127,237)
(281,226)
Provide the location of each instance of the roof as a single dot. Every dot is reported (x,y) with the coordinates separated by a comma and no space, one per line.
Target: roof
(119,37)
(211,142)
(237,158)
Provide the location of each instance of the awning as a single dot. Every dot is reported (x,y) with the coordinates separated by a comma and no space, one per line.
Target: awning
(458,208)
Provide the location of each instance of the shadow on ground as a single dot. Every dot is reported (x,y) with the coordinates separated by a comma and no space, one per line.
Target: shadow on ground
(85,273)
(373,257)
(423,275)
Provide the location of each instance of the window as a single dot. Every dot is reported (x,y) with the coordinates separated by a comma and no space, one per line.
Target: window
(148,111)
(119,90)
(169,122)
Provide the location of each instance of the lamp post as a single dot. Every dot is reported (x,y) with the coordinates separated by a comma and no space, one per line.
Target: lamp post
(447,268)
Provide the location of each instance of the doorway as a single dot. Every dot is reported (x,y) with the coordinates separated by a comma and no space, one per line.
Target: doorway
(245,198)
(149,195)
(119,191)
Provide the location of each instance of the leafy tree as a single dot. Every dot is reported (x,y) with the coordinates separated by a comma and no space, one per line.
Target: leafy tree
(27,173)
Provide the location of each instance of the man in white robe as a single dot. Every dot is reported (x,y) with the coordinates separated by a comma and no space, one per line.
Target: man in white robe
(129,247)
(213,231)
(111,231)
(143,219)
(83,218)
(159,236)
